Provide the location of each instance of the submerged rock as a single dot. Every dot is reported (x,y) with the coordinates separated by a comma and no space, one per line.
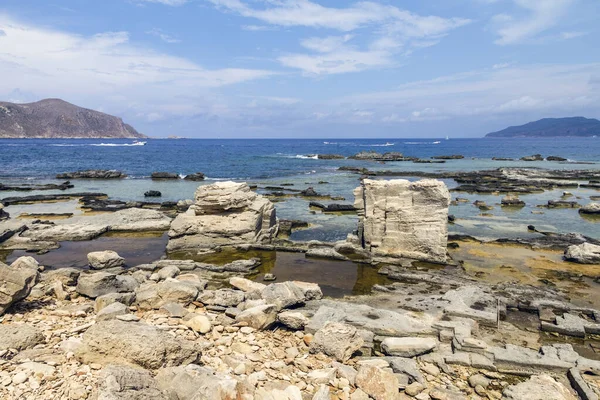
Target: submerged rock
(92,174)
(152,193)
(197,176)
(511,200)
(404,219)
(164,175)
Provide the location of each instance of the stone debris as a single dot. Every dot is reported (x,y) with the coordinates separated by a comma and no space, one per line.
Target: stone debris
(127,336)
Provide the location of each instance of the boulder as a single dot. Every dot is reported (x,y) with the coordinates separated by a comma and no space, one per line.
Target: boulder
(100,283)
(585,253)
(221,297)
(259,317)
(246,285)
(555,158)
(17,280)
(19,336)
(592,208)
(337,340)
(201,383)
(223,213)
(199,323)
(284,295)
(112,311)
(535,157)
(408,346)
(105,300)
(404,219)
(152,193)
(135,343)
(293,319)
(155,295)
(377,383)
(195,177)
(120,382)
(3,214)
(538,387)
(105,259)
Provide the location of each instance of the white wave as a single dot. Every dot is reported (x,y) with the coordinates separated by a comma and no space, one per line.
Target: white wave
(118,144)
(66,145)
(311,157)
(181,176)
(387,144)
(436,142)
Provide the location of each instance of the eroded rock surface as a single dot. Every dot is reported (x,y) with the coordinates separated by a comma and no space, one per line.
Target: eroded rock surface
(404,219)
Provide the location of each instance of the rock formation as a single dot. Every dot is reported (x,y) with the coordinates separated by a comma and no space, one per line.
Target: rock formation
(223,213)
(404,219)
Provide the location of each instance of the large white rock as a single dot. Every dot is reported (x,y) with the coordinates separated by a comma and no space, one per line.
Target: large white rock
(538,387)
(585,253)
(337,340)
(403,218)
(223,213)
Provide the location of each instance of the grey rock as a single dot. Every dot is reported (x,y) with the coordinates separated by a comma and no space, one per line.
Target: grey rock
(284,295)
(175,310)
(379,321)
(580,385)
(337,340)
(538,387)
(100,283)
(19,336)
(136,343)
(406,366)
(197,383)
(155,295)
(408,346)
(378,383)
(112,311)
(126,298)
(170,271)
(105,259)
(221,297)
(17,280)
(585,253)
(259,317)
(119,382)
(293,319)
(67,276)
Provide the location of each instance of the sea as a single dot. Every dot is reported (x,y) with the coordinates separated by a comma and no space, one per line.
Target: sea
(273,162)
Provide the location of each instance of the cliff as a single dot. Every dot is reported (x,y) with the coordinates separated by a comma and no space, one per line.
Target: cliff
(552,127)
(55,118)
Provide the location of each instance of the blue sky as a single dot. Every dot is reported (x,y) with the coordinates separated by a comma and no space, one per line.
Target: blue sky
(307,68)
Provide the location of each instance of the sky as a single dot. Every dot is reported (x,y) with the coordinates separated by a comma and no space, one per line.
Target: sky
(307,68)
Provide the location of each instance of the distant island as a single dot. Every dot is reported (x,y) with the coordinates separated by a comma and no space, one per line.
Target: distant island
(552,127)
(57,119)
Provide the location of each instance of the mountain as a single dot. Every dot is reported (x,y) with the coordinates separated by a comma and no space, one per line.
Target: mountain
(55,118)
(552,127)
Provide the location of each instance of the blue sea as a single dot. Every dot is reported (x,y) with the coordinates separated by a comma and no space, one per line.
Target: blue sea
(275,161)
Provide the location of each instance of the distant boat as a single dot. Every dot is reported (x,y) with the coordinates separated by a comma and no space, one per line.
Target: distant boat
(447,138)
(138,143)
(437,142)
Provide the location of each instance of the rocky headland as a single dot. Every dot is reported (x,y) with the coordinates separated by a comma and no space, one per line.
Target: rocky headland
(55,118)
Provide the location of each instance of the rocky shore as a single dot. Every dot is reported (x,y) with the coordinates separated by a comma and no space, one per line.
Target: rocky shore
(184,329)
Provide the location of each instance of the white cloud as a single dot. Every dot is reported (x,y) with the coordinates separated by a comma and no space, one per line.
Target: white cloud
(105,67)
(501,65)
(163,36)
(572,35)
(258,28)
(395,32)
(541,16)
(549,89)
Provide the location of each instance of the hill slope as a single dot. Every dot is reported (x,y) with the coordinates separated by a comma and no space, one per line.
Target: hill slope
(552,127)
(55,118)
